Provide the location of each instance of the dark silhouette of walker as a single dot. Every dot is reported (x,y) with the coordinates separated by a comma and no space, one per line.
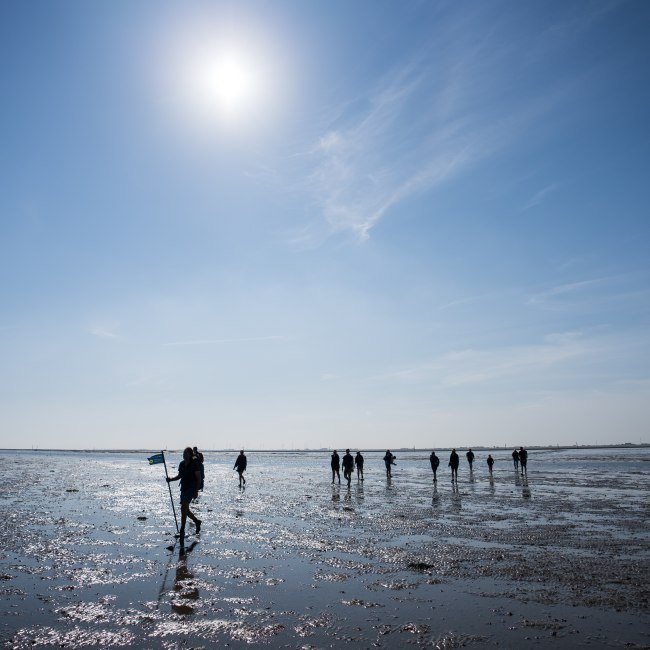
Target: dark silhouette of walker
(515,459)
(358,461)
(454,461)
(348,466)
(523,460)
(435,461)
(240,465)
(336,466)
(389,459)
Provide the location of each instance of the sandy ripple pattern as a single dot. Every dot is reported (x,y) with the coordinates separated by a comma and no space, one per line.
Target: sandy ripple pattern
(560,556)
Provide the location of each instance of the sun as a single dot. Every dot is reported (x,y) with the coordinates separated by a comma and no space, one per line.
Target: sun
(231,85)
(227,82)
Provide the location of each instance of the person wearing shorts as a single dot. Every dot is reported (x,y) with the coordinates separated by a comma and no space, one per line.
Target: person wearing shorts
(189,474)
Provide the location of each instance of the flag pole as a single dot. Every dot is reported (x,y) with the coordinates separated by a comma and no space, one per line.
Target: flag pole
(170,489)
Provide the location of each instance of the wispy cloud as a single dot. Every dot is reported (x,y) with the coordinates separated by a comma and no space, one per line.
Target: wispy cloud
(544,297)
(423,124)
(539,197)
(104,332)
(220,341)
(472,366)
(444,110)
(630,289)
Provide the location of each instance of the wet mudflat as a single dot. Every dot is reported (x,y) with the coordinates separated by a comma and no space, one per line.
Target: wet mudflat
(559,557)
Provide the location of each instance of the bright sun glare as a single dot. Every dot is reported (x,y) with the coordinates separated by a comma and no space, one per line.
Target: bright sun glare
(226,82)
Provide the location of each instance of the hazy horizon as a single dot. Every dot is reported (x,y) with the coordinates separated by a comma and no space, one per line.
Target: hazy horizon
(288,224)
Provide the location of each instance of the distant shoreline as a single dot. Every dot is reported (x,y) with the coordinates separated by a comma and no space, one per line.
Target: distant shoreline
(150,450)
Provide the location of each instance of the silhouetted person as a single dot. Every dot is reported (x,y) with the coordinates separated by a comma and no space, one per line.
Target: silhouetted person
(348,466)
(240,465)
(358,461)
(523,459)
(389,460)
(199,458)
(470,458)
(515,459)
(454,461)
(490,462)
(336,466)
(435,461)
(189,474)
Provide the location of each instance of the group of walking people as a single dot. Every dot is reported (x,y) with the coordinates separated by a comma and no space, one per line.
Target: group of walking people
(191,472)
(349,463)
(520,458)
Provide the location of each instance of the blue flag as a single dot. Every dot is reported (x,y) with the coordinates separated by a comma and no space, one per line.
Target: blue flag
(156,458)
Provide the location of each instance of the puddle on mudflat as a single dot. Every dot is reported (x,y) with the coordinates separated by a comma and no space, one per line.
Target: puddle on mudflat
(561,556)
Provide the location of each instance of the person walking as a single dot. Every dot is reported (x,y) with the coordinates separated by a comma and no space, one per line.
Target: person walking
(189,474)
(358,461)
(348,466)
(523,460)
(389,460)
(454,461)
(336,466)
(199,459)
(490,462)
(240,465)
(435,461)
(515,459)
(470,458)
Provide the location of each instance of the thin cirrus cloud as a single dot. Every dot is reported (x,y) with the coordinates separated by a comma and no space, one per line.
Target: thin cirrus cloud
(104,333)
(421,127)
(472,366)
(599,292)
(540,196)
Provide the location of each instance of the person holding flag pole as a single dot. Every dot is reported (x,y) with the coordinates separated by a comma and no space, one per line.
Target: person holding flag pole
(160,458)
(189,474)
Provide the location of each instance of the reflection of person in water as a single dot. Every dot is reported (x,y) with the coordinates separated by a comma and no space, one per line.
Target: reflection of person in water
(336,466)
(435,461)
(348,466)
(184,586)
(358,461)
(523,459)
(490,462)
(515,459)
(240,466)
(389,460)
(189,474)
(454,461)
(470,458)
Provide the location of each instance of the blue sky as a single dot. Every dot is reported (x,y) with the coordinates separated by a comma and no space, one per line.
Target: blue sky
(385,224)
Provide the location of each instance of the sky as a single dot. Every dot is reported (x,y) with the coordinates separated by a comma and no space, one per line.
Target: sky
(369,224)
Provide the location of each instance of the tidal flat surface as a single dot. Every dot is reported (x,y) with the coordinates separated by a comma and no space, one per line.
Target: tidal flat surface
(560,557)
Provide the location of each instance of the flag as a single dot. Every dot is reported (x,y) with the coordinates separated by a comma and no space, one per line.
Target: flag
(156,458)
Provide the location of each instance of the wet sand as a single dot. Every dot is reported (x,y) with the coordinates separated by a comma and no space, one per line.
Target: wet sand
(559,558)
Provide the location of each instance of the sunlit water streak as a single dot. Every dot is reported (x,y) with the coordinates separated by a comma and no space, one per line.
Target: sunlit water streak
(295,561)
